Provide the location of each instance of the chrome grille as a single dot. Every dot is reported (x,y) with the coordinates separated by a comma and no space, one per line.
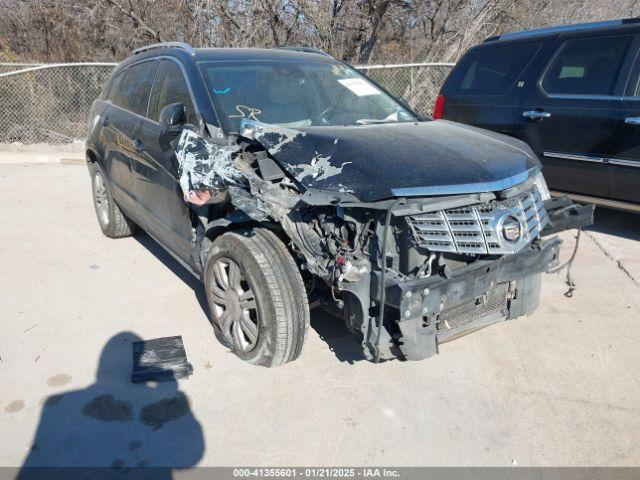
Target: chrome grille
(477,229)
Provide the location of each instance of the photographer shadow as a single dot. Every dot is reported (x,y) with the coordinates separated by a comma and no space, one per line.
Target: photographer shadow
(115,428)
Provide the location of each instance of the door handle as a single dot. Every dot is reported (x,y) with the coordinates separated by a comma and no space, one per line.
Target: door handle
(138,145)
(632,120)
(535,114)
(105,122)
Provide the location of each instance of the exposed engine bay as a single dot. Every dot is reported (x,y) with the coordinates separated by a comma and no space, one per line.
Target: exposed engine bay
(406,271)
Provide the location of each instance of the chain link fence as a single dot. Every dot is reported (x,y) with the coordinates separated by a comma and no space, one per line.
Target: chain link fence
(12,67)
(417,84)
(51,102)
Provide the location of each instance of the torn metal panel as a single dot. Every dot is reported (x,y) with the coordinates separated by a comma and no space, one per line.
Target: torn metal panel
(272,137)
(205,168)
(308,160)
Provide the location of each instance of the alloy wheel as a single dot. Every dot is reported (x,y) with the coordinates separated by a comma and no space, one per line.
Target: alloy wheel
(101,198)
(234,303)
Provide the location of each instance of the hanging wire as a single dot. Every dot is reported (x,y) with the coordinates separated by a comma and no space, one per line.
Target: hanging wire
(568,264)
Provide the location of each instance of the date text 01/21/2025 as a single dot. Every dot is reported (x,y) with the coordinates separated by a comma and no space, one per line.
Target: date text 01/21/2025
(318,472)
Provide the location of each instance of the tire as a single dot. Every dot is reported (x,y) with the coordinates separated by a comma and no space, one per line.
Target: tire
(251,277)
(113,223)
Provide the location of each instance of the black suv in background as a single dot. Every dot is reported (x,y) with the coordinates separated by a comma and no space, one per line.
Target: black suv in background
(571,92)
(285,178)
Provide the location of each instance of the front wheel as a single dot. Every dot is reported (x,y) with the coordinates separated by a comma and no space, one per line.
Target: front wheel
(256,297)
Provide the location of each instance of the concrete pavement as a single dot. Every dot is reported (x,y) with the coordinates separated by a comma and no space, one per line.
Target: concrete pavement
(558,388)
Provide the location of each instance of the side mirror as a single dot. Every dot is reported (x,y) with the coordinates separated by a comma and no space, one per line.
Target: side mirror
(172,119)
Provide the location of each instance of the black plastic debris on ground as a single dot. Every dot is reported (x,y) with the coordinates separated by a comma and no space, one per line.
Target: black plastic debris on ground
(160,359)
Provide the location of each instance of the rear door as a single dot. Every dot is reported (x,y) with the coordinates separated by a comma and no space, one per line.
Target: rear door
(624,164)
(156,167)
(128,99)
(117,128)
(486,87)
(570,118)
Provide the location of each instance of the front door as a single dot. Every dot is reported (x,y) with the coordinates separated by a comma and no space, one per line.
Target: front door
(624,164)
(570,118)
(156,167)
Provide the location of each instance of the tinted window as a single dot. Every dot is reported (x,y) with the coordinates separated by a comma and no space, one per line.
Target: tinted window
(491,70)
(112,88)
(587,66)
(170,87)
(298,94)
(133,90)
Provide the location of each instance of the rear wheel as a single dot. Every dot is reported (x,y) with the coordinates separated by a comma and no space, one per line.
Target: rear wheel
(256,297)
(113,223)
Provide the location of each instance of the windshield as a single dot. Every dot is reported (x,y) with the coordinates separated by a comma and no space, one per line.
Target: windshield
(298,94)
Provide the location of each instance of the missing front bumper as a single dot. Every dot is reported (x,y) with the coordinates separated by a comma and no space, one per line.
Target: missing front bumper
(436,309)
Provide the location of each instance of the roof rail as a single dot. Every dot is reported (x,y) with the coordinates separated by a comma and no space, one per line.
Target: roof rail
(181,45)
(305,50)
(562,29)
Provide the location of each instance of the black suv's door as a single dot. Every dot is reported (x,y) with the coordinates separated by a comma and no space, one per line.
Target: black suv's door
(570,118)
(128,97)
(486,87)
(157,185)
(624,164)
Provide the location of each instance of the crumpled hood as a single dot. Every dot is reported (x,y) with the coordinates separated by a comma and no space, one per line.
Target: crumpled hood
(401,159)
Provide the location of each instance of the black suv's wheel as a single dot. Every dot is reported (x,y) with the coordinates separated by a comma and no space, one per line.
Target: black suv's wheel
(113,223)
(257,298)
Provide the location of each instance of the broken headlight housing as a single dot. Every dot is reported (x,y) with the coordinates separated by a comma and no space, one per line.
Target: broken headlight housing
(541,185)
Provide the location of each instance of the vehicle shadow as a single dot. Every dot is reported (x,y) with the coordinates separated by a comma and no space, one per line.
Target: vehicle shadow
(331,329)
(115,427)
(335,334)
(616,222)
(176,267)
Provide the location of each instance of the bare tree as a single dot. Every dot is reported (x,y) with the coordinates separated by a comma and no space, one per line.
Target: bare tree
(360,31)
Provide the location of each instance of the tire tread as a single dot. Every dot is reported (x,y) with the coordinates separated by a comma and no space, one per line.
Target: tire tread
(286,290)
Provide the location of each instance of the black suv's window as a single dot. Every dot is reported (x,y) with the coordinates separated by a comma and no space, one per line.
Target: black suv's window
(491,70)
(133,89)
(586,66)
(170,87)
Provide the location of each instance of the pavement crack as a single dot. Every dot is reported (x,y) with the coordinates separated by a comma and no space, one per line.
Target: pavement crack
(610,256)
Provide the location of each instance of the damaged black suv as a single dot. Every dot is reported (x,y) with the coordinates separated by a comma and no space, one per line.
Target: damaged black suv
(284,179)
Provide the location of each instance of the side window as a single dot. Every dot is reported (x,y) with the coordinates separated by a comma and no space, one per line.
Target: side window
(586,66)
(133,89)
(491,70)
(112,88)
(170,87)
